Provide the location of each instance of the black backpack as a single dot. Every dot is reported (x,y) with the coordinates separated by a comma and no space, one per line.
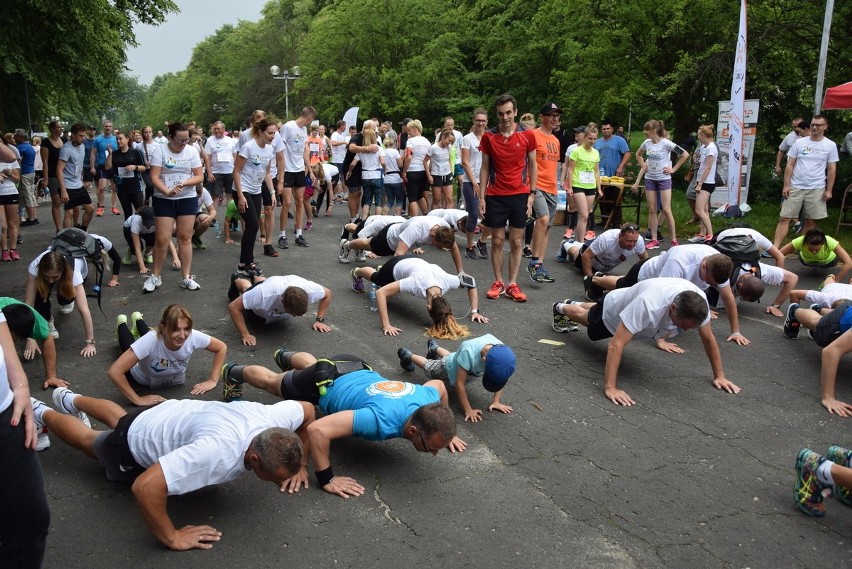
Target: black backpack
(74,243)
(742,249)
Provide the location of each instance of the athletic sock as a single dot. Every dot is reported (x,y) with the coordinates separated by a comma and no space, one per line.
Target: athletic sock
(824,473)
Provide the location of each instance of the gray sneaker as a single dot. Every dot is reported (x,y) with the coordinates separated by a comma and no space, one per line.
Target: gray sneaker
(300,241)
(562,323)
(282,243)
(482,249)
(152,283)
(343,253)
(190,284)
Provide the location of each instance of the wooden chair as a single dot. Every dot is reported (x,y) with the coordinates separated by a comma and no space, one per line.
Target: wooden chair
(845,209)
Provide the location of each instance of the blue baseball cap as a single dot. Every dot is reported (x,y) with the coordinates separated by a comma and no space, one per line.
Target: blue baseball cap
(499,367)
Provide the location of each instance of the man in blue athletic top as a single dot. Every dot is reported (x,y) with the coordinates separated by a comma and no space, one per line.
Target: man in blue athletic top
(356,401)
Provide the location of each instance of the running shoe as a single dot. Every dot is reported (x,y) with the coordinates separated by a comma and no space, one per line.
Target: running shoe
(841,456)
(497,288)
(593,291)
(63,400)
(128,258)
(343,253)
(309,225)
(697,238)
(432,349)
(816,307)
(361,257)
(652,244)
(562,254)
(532,269)
(282,359)
(405,359)
(100,211)
(514,292)
(470,253)
(152,283)
(562,323)
(357,282)
(541,275)
(569,234)
(43,442)
(6,257)
(482,249)
(67,308)
(809,492)
(300,241)
(189,283)
(51,329)
(590,235)
(527,251)
(232,388)
(115,211)
(269,251)
(675,243)
(282,243)
(134,328)
(119,320)
(797,227)
(13,255)
(791,325)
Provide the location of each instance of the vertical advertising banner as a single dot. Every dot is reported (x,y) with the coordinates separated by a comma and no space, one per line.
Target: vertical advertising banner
(721,195)
(736,122)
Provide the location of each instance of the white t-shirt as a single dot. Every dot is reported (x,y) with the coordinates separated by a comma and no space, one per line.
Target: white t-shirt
(392,166)
(294,137)
(471,143)
(788,141)
(81,268)
(376,223)
(74,157)
(7,187)
(371,166)
(680,262)
(161,140)
(6,396)
(414,232)
(202,443)
(146,149)
(451,216)
(106,243)
(416,275)
(659,156)
(645,308)
(416,147)
(278,150)
(762,242)
(829,294)
(221,151)
(329,171)
(176,168)
(205,200)
(256,166)
(812,159)
(706,152)
(439,160)
(338,152)
(569,150)
(265,298)
(607,252)
(160,367)
(135,225)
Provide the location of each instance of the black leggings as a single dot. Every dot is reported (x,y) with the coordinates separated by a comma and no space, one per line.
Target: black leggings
(42,304)
(130,202)
(632,276)
(252,218)
(125,336)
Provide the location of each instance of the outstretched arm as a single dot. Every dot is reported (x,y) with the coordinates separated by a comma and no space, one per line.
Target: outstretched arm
(320,435)
(727,296)
(831,355)
(711,348)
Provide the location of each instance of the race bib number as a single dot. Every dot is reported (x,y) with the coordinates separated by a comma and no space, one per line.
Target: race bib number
(587,177)
(224,156)
(124,172)
(655,167)
(172,180)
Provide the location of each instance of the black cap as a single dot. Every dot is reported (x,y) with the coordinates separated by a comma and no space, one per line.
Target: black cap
(580,129)
(147,214)
(550,109)
(405,121)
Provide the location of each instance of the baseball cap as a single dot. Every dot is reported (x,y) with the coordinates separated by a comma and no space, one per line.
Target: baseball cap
(580,129)
(405,121)
(147,214)
(499,367)
(549,109)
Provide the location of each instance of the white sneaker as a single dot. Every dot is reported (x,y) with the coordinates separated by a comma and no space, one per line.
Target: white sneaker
(43,442)
(67,308)
(152,283)
(52,329)
(343,254)
(63,400)
(362,257)
(189,284)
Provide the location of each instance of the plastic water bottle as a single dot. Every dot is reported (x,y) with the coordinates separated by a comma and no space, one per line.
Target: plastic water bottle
(374,305)
(218,229)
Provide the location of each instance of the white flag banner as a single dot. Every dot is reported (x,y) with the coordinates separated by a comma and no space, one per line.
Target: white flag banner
(350,117)
(737,118)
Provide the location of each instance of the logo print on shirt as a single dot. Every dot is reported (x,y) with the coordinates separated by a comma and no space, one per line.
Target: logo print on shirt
(392,389)
(169,162)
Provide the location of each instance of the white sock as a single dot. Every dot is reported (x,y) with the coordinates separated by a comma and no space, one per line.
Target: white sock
(298,233)
(38,413)
(282,234)
(68,401)
(823,473)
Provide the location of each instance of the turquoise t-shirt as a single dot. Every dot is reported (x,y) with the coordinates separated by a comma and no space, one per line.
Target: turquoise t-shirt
(382,406)
(823,257)
(468,358)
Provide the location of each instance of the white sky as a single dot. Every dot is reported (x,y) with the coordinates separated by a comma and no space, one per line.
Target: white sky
(159,52)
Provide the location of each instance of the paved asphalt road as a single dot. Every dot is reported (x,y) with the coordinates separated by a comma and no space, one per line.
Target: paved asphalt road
(689,477)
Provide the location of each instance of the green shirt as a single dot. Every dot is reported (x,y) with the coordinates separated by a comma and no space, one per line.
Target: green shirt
(824,256)
(40,327)
(585,165)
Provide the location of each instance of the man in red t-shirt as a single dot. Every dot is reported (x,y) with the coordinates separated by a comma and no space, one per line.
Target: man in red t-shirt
(508,172)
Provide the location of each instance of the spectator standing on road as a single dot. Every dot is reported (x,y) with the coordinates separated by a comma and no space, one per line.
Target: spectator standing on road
(10,176)
(458,169)
(394,188)
(69,175)
(413,170)
(371,164)
(146,147)
(800,129)
(97,161)
(128,165)
(706,184)
(27,189)
(507,176)
(655,159)
(297,166)
(613,150)
(808,179)
(219,156)
(175,170)
(582,180)
(50,148)
(471,158)
(439,166)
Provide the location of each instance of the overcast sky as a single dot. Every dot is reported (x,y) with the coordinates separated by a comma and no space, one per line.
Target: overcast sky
(159,53)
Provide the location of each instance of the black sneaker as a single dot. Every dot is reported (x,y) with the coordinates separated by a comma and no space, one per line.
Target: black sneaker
(482,249)
(405,359)
(527,252)
(300,241)
(593,291)
(791,325)
(282,243)
(432,350)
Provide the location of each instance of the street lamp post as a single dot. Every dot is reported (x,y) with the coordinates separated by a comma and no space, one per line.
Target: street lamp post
(286,76)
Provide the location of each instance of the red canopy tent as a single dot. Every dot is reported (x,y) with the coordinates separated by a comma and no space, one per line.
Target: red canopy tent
(839,97)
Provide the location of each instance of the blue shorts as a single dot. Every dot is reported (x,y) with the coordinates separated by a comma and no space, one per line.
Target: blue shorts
(175,208)
(458,170)
(658,185)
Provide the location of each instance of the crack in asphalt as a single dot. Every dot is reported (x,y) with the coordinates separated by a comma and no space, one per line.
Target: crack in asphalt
(387,511)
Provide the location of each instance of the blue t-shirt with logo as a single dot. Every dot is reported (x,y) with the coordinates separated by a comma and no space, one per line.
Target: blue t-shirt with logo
(101,144)
(88,143)
(381,406)
(611,152)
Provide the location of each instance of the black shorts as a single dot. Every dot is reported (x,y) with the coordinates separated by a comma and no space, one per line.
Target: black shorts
(384,276)
(175,208)
(221,185)
(10,199)
(439,181)
(632,276)
(102,173)
(113,450)
(578,261)
(828,328)
(710,188)
(416,183)
(301,384)
(87,174)
(267,193)
(596,329)
(379,243)
(500,209)
(77,198)
(146,239)
(294,179)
